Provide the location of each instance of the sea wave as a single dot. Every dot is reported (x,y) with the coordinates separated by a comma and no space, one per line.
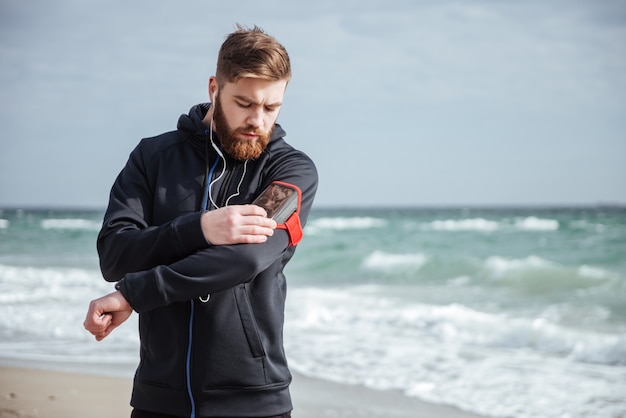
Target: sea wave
(363,309)
(538,269)
(499,266)
(31,284)
(380,260)
(473,224)
(453,353)
(344,223)
(595,272)
(530,223)
(46,302)
(73,223)
(374,335)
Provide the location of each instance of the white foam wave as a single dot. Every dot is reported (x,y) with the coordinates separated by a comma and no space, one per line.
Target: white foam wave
(79,224)
(362,309)
(380,260)
(341,223)
(4,223)
(536,271)
(499,266)
(474,224)
(532,223)
(594,272)
(485,362)
(47,303)
(32,285)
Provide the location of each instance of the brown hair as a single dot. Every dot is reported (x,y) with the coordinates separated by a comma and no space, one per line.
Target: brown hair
(252,53)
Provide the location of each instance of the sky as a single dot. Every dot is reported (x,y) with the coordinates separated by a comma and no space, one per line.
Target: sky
(399,103)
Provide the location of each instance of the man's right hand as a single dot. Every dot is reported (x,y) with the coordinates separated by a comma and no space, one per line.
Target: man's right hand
(237,224)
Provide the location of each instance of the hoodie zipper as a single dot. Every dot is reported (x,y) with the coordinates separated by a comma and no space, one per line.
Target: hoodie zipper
(225,187)
(188,363)
(205,205)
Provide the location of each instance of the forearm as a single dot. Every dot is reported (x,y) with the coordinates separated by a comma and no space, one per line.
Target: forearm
(126,245)
(210,270)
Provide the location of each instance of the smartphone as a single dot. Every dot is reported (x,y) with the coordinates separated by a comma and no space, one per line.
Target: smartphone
(279,201)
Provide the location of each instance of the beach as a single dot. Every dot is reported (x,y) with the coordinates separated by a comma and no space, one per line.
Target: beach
(30,393)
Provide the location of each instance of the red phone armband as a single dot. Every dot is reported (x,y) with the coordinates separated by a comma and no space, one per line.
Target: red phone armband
(282,201)
(294,228)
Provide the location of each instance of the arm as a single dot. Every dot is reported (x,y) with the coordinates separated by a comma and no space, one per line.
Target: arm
(195,276)
(219,267)
(163,285)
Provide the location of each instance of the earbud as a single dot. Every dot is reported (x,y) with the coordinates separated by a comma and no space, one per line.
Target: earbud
(214,95)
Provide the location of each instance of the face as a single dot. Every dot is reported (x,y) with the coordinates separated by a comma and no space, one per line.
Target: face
(244,115)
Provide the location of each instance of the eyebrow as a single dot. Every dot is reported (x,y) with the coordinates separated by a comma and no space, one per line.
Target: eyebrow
(254,102)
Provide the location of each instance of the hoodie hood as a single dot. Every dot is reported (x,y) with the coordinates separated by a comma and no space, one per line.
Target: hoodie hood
(191,124)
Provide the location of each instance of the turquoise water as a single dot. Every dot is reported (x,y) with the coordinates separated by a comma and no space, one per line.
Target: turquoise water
(495,259)
(511,312)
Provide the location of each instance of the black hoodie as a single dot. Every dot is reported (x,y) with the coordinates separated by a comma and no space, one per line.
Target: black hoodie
(223,357)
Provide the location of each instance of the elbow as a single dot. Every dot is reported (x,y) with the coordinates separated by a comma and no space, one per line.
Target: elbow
(109,263)
(110,270)
(110,274)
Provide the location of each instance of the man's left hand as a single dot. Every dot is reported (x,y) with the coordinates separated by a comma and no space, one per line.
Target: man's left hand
(107,313)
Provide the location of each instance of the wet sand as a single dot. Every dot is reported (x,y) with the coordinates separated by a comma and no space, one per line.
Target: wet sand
(30,393)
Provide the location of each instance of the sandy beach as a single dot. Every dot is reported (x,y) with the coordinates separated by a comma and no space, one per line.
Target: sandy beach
(30,393)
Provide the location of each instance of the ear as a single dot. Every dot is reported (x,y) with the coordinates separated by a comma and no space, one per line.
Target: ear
(213,87)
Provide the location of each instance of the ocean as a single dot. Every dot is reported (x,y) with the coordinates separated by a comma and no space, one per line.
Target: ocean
(506,312)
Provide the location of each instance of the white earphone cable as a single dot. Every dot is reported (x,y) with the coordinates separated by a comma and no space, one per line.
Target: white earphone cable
(238,192)
(223,167)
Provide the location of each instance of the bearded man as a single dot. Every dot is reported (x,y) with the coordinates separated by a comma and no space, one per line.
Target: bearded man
(202,266)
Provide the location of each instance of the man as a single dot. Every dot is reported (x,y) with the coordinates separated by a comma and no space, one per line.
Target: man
(200,264)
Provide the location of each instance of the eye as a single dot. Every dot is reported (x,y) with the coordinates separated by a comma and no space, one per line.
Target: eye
(242,104)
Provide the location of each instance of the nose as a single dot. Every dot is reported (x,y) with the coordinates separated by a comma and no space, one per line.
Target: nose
(255,117)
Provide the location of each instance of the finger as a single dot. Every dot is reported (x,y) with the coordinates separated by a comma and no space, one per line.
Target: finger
(256,230)
(106,330)
(91,323)
(268,223)
(253,220)
(253,210)
(100,323)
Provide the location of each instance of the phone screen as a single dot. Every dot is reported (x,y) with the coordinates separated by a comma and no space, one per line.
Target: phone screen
(279,201)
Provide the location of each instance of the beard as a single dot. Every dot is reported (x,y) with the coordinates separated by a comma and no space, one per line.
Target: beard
(239,148)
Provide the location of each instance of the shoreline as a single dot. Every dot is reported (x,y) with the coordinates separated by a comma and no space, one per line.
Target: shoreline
(27,392)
